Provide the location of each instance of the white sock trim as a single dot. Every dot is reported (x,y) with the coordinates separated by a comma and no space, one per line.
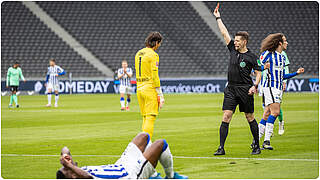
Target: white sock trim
(49,98)
(269,131)
(122,103)
(262,128)
(56,99)
(166,161)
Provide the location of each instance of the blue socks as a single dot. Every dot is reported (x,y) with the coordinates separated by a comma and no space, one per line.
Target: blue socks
(148,138)
(165,145)
(264,122)
(271,119)
(122,102)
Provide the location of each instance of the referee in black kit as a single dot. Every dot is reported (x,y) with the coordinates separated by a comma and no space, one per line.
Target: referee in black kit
(240,88)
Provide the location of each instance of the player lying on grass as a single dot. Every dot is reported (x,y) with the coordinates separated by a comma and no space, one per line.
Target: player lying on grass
(271,48)
(138,161)
(14,74)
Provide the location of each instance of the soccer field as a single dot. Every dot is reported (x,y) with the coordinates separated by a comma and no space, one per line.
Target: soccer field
(33,135)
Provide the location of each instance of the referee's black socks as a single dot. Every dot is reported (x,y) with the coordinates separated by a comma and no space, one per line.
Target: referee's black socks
(223,133)
(255,131)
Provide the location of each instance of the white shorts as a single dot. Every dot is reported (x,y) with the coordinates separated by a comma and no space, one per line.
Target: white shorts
(125,89)
(53,87)
(271,95)
(137,166)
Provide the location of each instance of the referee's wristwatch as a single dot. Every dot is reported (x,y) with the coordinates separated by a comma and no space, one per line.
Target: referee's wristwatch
(218,18)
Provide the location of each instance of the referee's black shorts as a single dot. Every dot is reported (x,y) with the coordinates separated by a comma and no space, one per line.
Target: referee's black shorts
(238,95)
(14,88)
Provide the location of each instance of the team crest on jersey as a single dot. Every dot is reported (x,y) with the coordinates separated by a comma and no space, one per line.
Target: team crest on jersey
(157,64)
(243,64)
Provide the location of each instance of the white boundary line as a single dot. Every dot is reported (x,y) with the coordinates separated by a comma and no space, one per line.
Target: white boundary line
(178,157)
(54,155)
(255,159)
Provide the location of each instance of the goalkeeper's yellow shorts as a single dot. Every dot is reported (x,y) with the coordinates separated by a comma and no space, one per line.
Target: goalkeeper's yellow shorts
(148,101)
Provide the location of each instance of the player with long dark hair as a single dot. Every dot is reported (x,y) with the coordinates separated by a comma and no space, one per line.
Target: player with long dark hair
(149,92)
(272,57)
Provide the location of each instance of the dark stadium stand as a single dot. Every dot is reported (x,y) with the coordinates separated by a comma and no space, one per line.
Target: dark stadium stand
(182,24)
(299,21)
(116,30)
(26,39)
(113,31)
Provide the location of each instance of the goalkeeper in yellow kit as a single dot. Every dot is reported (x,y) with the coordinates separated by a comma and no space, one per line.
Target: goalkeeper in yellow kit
(149,92)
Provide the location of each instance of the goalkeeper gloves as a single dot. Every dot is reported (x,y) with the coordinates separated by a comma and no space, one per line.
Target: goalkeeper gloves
(160,97)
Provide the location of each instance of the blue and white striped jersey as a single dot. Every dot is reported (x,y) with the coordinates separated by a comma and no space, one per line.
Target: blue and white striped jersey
(275,74)
(125,80)
(106,171)
(286,69)
(52,73)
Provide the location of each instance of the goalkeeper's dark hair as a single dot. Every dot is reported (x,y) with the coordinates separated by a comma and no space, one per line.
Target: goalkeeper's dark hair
(60,175)
(152,39)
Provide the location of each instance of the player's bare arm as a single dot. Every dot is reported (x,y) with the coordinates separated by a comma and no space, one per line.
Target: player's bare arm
(221,26)
(66,161)
(266,66)
(120,75)
(128,74)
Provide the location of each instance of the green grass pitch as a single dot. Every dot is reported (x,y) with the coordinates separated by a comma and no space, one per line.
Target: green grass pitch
(94,125)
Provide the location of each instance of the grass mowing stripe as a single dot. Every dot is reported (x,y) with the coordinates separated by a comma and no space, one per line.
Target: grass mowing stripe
(178,157)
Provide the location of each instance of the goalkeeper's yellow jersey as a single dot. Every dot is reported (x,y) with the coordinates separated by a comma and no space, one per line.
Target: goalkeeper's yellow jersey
(146,65)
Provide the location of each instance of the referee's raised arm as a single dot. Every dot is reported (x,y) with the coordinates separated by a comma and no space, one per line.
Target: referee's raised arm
(221,26)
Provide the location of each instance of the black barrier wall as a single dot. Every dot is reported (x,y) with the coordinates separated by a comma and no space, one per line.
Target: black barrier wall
(168,86)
